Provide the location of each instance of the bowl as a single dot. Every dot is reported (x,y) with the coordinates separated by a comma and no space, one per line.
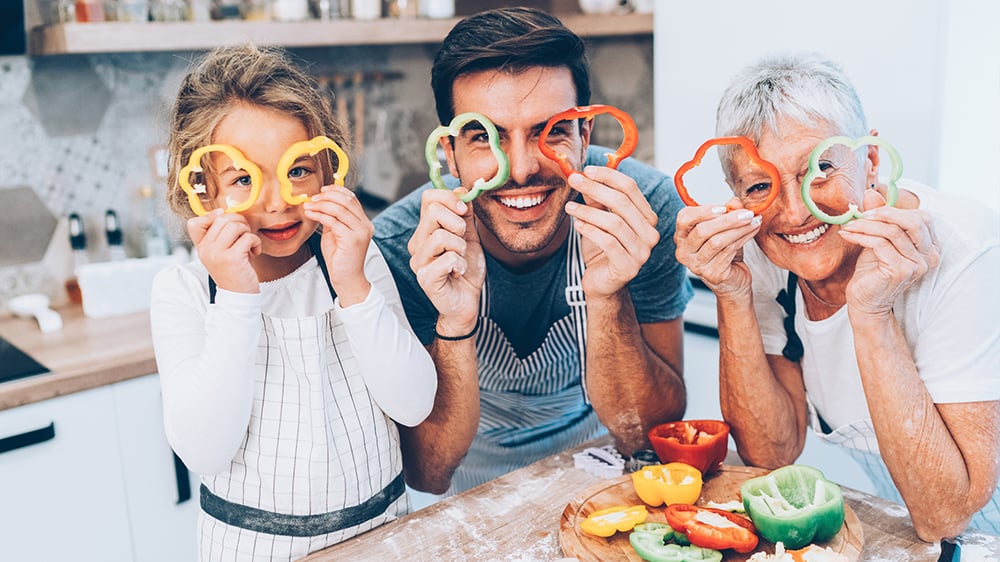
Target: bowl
(702,444)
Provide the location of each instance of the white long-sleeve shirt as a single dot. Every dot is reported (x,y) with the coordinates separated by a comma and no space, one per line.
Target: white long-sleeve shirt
(205,353)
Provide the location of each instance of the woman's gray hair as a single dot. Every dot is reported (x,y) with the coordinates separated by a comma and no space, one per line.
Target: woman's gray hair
(807,88)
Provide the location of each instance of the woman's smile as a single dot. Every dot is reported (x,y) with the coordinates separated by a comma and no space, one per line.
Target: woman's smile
(806,237)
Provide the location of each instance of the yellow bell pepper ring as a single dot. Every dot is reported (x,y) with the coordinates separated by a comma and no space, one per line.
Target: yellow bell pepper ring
(668,484)
(310,147)
(606,522)
(240,162)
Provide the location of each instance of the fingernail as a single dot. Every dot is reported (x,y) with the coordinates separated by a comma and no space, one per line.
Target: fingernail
(756,221)
(574,179)
(461,207)
(571,205)
(744,214)
(718,210)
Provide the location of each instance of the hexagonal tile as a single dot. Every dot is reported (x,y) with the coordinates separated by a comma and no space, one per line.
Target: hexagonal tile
(14,77)
(65,111)
(28,226)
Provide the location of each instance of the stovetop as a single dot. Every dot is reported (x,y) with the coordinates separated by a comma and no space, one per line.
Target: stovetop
(16,364)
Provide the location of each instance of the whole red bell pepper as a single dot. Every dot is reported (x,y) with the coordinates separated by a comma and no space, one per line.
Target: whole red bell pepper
(713,528)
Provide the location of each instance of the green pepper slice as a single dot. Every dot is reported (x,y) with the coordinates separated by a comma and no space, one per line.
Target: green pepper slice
(794,504)
(650,541)
(453,129)
(814,172)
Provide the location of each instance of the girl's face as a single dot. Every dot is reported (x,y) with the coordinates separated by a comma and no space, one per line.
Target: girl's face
(789,235)
(263,135)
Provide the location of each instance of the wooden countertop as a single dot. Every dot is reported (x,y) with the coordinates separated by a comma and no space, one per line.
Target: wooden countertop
(517,517)
(85,354)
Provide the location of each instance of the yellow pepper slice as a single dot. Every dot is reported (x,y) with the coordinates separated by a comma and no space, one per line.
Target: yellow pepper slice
(606,522)
(310,147)
(668,484)
(240,162)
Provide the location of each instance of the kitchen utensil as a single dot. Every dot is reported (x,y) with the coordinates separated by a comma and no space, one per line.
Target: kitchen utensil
(36,305)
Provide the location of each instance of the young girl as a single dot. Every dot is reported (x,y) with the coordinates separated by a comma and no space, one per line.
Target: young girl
(283,350)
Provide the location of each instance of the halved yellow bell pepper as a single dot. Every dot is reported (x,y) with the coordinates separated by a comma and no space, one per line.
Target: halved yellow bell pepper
(606,522)
(670,483)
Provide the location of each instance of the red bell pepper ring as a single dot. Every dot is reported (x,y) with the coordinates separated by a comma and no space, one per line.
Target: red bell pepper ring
(625,149)
(751,149)
(713,528)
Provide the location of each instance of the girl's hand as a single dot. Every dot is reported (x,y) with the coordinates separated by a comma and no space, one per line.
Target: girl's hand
(899,248)
(710,243)
(225,245)
(347,233)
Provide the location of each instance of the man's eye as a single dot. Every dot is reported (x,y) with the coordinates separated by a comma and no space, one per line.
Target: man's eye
(480,137)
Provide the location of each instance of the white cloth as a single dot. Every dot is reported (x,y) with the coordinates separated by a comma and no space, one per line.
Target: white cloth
(948,318)
(277,398)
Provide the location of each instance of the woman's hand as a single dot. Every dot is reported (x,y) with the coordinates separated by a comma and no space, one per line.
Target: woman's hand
(448,260)
(710,244)
(899,247)
(347,233)
(225,244)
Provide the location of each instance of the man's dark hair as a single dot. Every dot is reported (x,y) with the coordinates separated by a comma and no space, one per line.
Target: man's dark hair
(511,40)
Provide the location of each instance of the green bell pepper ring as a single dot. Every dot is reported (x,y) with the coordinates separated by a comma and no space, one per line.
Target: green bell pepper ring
(814,172)
(453,129)
(795,505)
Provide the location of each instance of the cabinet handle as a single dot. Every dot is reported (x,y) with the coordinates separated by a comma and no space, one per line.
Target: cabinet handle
(183,480)
(28,438)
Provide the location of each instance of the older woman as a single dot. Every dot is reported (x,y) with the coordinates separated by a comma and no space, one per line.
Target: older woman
(892,348)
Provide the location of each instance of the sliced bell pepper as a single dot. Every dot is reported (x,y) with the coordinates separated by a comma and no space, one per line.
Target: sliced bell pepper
(751,150)
(652,542)
(702,444)
(671,483)
(625,149)
(454,129)
(814,172)
(794,504)
(713,528)
(606,522)
(310,147)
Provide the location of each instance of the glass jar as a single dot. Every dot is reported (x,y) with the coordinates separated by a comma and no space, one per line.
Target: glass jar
(289,10)
(167,10)
(255,10)
(133,11)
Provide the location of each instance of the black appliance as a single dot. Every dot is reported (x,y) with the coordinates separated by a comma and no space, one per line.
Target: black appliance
(16,364)
(13,40)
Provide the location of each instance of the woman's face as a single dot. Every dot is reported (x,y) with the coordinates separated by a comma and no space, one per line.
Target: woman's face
(789,235)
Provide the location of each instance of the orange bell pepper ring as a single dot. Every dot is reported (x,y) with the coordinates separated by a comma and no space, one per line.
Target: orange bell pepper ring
(625,149)
(751,150)
(240,162)
(606,522)
(670,483)
(310,147)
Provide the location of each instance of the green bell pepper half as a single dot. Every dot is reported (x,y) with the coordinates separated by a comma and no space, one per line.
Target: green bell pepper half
(794,504)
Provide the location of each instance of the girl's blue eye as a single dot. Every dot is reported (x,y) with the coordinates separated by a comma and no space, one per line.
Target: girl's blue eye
(244,181)
(298,172)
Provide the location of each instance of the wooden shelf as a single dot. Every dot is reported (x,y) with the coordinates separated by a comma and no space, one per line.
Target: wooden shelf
(113,37)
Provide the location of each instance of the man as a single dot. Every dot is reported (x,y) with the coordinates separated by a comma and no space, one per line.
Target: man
(551,306)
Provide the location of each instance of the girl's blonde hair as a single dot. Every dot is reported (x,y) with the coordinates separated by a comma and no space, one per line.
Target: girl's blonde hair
(245,74)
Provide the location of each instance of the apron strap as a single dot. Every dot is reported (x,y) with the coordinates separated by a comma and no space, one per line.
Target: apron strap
(577,301)
(314,246)
(793,350)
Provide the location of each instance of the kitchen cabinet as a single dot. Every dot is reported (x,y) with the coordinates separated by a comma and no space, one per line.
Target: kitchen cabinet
(162,503)
(61,492)
(107,37)
(94,480)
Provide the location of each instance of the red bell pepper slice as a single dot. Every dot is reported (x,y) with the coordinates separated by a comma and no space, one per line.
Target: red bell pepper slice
(751,149)
(713,528)
(629,142)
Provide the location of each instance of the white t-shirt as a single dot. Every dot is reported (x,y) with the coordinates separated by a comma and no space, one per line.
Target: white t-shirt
(949,318)
(205,353)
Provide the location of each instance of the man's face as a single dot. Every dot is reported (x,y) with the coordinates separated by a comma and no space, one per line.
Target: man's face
(525,219)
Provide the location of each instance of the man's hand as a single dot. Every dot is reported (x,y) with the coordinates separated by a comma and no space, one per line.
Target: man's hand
(618,228)
(448,260)
(225,245)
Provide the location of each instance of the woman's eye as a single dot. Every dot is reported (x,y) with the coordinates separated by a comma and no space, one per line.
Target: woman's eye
(825,166)
(758,187)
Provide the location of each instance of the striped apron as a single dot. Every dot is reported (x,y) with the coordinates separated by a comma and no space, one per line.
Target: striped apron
(531,407)
(320,462)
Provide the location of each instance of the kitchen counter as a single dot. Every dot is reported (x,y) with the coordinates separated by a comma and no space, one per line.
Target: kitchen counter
(85,354)
(517,517)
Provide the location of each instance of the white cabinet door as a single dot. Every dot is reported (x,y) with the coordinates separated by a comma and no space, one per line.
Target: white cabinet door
(61,492)
(163,521)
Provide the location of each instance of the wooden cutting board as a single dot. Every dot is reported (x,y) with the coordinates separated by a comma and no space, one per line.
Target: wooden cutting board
(723,486)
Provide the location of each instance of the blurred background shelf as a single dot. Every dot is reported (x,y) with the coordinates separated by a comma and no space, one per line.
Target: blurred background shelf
(111,37)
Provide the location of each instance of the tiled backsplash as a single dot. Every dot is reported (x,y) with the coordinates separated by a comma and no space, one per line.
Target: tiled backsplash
(79,130)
